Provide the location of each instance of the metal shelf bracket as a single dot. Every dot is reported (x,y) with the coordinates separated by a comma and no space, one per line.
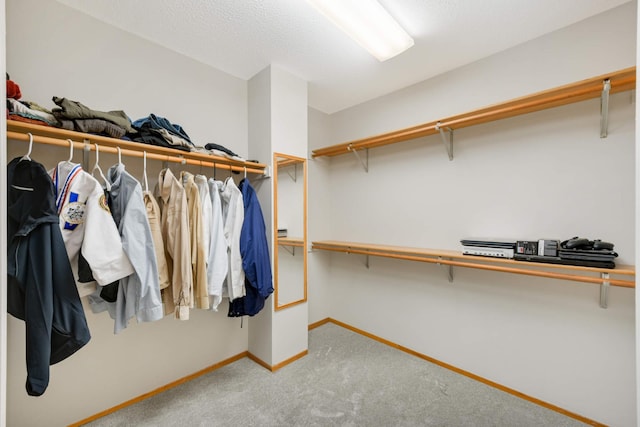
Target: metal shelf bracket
(604,290)
(448,142)
(365,163)
(294,177)
(450,270)
(604,108)
(85,154)
(292,251)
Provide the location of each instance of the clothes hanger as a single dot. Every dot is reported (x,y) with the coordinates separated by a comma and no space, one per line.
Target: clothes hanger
(70,151)
(144,171)
(245,172)
(26,156)
(119,156)
(99,169)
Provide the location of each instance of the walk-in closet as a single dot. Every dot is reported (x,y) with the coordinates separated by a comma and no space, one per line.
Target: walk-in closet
(335,285)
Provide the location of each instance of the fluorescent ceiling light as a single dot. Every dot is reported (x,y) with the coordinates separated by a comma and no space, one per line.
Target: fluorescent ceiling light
(368,23)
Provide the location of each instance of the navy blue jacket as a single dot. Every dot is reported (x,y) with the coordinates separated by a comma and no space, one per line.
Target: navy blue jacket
(41,289)
(254,251)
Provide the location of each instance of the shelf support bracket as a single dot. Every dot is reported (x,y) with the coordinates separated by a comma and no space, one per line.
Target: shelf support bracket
(85,154)
(448,142)
(604,108)
(294,177)
(604,290)
(450,270)
(292,251)
(365,163)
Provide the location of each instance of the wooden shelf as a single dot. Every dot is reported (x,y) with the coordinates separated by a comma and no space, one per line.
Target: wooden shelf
(291,241)
(55,136)
(621,81)
(625,274)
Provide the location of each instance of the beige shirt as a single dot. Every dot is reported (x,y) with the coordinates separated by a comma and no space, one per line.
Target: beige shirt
(154,217)
(175,233)
(197,241)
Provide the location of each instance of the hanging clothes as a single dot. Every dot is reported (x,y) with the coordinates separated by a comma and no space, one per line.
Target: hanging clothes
(233,216)
(207,213)
(87,225)
(138,294)
(256,263)
(196,241)
(218,262)
(175,233)
(41,289)
(154,218)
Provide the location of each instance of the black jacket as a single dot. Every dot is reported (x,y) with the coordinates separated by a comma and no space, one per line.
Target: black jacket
(41,289)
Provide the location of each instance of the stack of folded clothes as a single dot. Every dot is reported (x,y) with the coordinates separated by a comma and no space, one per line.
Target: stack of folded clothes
(25,111)
(156,130)
(592,253)
(73,115)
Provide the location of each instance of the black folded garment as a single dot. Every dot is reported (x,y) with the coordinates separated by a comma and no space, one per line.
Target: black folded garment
(588,254)
(212,146)
(564,261)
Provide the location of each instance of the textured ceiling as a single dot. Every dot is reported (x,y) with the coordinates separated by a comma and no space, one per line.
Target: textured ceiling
(242,37)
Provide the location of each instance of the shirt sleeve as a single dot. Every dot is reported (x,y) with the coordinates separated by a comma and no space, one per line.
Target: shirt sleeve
(138,245)
(101,245)
(218,265)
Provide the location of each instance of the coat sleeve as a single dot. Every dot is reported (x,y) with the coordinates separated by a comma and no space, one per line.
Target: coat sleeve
(254,246)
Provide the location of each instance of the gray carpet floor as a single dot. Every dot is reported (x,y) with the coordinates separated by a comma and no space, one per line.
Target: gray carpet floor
(345,380)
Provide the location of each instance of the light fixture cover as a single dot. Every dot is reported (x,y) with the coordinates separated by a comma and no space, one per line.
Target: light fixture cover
(368,23)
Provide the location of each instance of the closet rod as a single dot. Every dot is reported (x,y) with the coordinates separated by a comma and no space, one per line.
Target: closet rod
(130,153)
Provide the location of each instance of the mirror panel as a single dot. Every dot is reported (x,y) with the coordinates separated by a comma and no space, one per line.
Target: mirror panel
(290,219)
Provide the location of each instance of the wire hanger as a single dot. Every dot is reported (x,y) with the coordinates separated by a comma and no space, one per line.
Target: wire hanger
(99,169)
(214,171)
(144,171)
(26,156)
(119,156)
(245,172)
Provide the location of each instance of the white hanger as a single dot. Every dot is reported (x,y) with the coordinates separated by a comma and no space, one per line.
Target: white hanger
(119,155)
(144,171)
(97,167)
(26,156)
(70,151)
(245,172)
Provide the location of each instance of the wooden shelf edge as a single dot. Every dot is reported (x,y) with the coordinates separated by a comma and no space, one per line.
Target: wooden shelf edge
(621,80)
(455,258)
(290,241)
(16,127)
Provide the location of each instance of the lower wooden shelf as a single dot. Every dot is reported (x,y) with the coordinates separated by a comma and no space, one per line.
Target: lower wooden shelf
(290,241)
(624,274)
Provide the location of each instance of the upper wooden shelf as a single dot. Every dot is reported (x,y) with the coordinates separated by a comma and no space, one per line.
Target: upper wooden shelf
(56,136)
(620,81)
(625,273)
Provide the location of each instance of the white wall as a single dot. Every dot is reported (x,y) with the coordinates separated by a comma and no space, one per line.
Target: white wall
(320,202)
(55,50)
(289,136)
(543,175)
